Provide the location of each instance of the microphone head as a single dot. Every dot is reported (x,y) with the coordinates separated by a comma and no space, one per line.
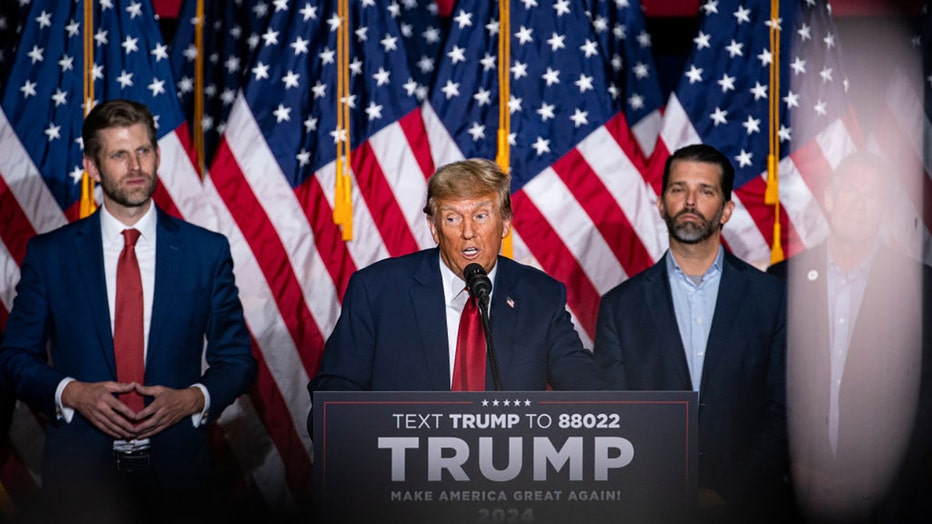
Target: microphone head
(477,280)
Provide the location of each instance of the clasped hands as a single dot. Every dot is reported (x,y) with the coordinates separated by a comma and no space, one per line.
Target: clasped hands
(98,403)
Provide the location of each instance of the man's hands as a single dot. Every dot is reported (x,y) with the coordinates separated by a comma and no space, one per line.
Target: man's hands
(97,403)
(170,406)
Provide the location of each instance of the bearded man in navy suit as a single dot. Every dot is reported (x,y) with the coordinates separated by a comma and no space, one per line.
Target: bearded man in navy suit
(104,460)
(398,327)
(700,319)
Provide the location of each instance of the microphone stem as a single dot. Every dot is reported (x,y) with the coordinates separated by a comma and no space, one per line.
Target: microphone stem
(490,347)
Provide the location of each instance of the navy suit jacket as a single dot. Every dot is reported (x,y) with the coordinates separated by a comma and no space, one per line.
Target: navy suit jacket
(742,412)
(392,334)
(62,302)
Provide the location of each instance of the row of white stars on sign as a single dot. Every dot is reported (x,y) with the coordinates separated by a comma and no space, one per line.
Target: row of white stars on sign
(506,402)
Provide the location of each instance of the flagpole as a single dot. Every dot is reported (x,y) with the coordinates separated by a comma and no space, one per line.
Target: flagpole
(342,199)
(87,204)
(772,194)
(199,90)
(503,158)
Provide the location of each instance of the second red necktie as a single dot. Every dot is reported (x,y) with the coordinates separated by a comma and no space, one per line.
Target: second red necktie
(128,331)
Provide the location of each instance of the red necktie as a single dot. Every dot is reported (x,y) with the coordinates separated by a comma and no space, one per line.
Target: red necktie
(128,344)
(469,366)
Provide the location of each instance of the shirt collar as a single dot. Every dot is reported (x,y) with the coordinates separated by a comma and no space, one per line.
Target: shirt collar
(673,267)
(452,284)
(859,270)
(111,228)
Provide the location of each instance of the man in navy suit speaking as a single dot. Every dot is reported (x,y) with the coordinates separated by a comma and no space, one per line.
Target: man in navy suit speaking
(404,318)
(107,334)
(700,319)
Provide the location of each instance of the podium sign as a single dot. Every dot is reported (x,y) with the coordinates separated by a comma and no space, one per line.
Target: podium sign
(472,457)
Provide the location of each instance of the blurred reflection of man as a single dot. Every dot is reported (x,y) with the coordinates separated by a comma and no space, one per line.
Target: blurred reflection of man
(855,358)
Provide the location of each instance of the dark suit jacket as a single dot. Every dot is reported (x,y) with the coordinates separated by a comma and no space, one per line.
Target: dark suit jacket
(883,451)
(742,419)
(392,335)
(61,301)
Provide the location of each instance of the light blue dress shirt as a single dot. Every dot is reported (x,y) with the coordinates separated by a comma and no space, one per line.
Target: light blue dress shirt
(694,299)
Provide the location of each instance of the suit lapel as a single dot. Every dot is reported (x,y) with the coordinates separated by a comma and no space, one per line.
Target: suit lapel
(168,260)
(504,318)
(430,316)
(89,258)
(658,297)
(731,289)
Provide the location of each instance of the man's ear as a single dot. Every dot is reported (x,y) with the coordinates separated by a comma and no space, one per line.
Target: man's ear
(433,228)
(726,211)
(506,227)
(91,168)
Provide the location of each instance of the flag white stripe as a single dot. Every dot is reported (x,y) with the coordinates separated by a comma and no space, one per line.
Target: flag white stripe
(405,179)
(265,322)
(677,130)
(443,148)
(25,183)
(182,182)
(800,205)
(744,237)
(576,231)
(275,195)
(9,273)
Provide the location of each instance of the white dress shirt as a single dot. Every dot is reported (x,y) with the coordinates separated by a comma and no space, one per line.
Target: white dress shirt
(845,295)
(454,296)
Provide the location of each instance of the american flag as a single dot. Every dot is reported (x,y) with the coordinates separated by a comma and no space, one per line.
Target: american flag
(40,129)
(423,33)
(273,180)
(230,35)
(902,135)
(722,100)
(623,37)
(582,206)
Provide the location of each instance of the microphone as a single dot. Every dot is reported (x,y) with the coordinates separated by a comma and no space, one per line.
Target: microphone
(480,286)
(478,283)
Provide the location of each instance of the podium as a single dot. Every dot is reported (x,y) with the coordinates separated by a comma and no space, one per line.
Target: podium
(496,456)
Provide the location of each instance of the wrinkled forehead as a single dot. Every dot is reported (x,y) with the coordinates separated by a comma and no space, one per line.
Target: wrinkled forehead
(487,201)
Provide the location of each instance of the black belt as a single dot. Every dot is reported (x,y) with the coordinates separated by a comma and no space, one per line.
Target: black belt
(130,461)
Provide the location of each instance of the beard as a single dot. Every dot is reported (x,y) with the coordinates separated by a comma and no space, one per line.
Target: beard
(128,197)
(691,232)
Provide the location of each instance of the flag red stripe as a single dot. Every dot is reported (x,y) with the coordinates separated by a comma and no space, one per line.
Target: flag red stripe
(165,202)
(387,215)
(556,260)
(653,173)
(412,125)
(604,211)
(273,410)
(267,247)
(17,230)
(327,236)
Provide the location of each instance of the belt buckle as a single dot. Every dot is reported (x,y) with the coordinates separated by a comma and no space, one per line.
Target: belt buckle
(132,461)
